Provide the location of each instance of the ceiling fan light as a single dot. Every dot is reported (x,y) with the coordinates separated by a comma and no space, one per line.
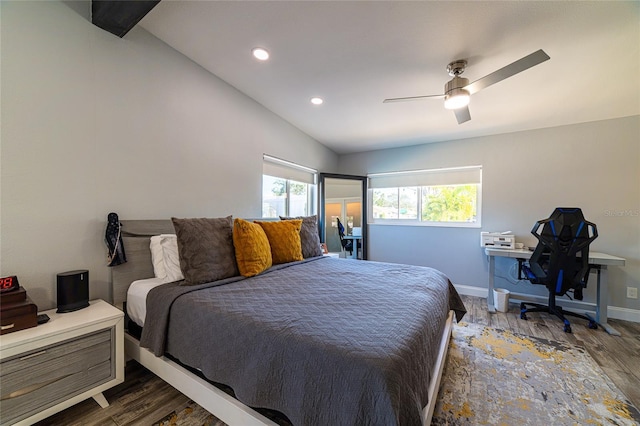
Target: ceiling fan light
(456,98)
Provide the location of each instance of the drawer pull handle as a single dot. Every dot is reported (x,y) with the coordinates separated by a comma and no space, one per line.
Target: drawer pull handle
(33,355)
(6,327)
(31,388)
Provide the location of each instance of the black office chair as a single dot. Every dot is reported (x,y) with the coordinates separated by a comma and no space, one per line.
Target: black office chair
(347,245)
(560,261)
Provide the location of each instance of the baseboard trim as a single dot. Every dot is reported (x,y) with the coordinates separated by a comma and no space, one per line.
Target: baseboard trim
(615,312)
(468,290)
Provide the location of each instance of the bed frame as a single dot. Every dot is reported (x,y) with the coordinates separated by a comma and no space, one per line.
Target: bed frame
(136,235)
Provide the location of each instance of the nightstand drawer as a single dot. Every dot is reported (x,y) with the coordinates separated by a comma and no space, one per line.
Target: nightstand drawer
(39,379)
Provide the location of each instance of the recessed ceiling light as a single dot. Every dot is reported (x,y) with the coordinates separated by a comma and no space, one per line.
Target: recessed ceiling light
(260,53)
(317,101)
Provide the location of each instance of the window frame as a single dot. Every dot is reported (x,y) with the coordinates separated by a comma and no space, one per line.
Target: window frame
(282,169)
(398,177)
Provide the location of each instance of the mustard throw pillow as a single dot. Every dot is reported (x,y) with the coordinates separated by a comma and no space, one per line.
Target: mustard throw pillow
(309,238)
(284,239)
(253,253)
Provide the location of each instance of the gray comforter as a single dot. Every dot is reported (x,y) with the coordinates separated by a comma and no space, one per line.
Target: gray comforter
(324,341)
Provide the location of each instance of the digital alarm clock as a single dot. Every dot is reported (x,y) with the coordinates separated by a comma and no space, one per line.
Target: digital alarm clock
(9,284)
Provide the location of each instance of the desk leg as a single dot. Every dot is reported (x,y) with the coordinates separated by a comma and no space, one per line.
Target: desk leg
(492,273)
(602,301)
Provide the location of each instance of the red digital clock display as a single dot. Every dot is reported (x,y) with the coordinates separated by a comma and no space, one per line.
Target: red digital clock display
(9,284)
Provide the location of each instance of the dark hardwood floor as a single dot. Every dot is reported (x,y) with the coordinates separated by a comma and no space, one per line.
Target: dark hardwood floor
(144,399)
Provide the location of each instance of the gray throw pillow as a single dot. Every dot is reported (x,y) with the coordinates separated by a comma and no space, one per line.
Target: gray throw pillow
(309,238)
(205,248)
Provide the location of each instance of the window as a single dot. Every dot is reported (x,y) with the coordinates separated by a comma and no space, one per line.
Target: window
(395,203)
(288,189)
(440,197)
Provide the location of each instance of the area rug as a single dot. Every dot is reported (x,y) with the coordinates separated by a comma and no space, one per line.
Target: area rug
(496,377)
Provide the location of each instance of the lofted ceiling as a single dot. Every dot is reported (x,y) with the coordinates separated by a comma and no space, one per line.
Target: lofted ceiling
(354,54)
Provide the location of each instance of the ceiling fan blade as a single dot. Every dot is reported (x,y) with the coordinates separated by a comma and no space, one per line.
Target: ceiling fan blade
(462,114)
(510,70)
(412,98)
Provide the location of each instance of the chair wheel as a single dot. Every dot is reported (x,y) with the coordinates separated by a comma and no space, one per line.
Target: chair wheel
(567,328)
(523,316)
(593,325)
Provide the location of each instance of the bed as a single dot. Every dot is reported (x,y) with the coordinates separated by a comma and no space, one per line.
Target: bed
(320,340)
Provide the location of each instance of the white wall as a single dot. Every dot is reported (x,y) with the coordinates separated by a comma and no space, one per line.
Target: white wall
(595,166)
(92,124)
(336,188)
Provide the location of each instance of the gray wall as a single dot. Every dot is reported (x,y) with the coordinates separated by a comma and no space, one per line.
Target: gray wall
(92,124)
(595,166)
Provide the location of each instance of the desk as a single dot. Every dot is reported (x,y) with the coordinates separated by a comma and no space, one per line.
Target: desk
(599,261)
(355,239)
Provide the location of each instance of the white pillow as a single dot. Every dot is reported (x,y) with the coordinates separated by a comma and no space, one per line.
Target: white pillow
(156,257)
(171,258)
(165,258)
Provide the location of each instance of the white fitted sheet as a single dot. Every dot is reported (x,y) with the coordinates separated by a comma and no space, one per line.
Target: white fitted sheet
(137,298)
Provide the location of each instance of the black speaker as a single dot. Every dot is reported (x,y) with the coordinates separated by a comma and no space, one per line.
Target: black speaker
(73,290)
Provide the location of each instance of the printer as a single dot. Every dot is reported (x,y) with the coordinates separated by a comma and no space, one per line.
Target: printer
(504,240)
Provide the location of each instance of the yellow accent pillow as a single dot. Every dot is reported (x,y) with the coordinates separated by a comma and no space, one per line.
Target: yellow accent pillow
(284,239)
(253,254)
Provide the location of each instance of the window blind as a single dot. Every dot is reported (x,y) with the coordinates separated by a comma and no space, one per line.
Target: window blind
(450,176)
(283,169)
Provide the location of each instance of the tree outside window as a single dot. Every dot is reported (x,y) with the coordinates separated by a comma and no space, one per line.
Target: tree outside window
(385,203)
(284,197)
(455,203)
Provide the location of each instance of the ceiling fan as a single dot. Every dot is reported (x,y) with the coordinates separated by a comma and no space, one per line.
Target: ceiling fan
(458,90)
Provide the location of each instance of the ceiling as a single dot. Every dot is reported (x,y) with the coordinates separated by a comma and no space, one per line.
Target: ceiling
(354,54)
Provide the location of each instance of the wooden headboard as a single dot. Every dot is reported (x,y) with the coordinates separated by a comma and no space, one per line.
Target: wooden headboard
(136,235)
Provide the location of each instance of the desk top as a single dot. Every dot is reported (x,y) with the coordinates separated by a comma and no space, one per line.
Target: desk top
(595,258)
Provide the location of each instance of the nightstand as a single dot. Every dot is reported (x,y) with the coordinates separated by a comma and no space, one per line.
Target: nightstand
(48,368)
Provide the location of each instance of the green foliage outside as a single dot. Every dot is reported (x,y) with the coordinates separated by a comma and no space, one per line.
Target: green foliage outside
(449,203)
(454,203)
(385,203)
(279,187)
